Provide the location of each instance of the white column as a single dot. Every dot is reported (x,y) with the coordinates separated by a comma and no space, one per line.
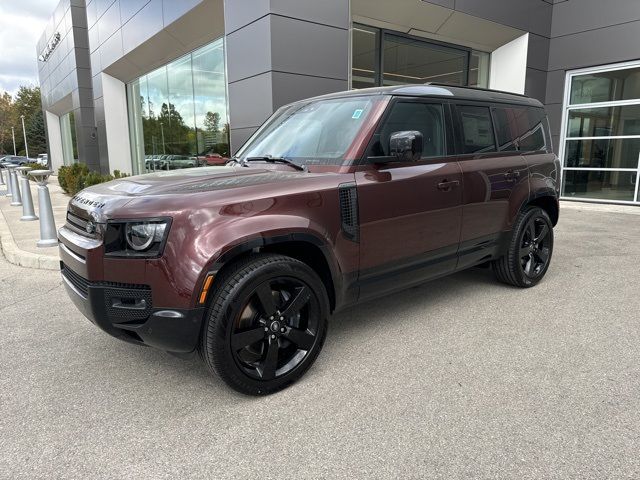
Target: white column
(116,123)
(509,66)
(55,141)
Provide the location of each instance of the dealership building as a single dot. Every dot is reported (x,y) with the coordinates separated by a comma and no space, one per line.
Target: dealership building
(127,83)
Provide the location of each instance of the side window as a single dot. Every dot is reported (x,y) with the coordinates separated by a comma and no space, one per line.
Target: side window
(426,118)
(506,128)
(477,129)
(519,128)
(532,139)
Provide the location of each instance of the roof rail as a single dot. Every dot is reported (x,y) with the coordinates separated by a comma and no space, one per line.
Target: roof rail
(438,84)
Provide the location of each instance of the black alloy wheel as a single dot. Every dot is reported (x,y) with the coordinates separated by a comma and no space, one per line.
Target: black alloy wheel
(276,329)
(535,250)
(529,252)
(266,324)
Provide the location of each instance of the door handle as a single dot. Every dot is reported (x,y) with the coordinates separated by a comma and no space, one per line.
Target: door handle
(512,175)
(446,185)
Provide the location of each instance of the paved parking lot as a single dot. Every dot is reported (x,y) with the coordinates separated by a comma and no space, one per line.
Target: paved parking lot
(460,378)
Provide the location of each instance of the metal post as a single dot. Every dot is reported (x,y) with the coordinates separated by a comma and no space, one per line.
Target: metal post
(24,132)
(16,198)
(48,236)
(1,175)
(6,167)
(28,213)
(13,135)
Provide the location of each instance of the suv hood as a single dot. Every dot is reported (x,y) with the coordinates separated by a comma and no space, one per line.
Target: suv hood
(110,196)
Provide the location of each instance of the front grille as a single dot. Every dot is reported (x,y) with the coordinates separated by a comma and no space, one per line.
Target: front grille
(79,225)
(124,302)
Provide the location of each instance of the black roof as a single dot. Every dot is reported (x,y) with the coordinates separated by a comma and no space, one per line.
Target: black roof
(437,90)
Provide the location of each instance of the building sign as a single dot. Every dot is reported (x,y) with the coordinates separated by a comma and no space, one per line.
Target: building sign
(51,46)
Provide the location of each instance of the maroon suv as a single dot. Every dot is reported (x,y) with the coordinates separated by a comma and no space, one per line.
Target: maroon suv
(334,200)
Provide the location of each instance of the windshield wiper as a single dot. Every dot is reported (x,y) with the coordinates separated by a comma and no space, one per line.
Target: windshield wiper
(269,158)
(236,161)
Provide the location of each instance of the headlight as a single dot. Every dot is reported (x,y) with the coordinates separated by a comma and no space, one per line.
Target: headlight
(140,238)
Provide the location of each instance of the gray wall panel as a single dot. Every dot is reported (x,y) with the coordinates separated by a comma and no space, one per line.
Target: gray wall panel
(173,10)
(289,87)
(128,8)
(238,136)
(238,14)
(249,50)
(251,101)
(578,16)
(326,12)
(308,48)
(613,44)
(538,52)
(529,15)
(555,86)
(535,84)
(145,23)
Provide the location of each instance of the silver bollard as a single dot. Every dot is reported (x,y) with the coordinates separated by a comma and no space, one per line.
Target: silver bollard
(28,214)
(5,165)
(16,198)
(1,174)
(48,234)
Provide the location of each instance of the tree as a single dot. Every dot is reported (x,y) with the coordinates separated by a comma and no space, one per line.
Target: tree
(212,122)
(26,102)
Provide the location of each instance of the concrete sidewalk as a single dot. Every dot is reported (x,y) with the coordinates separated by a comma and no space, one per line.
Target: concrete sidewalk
(18,238)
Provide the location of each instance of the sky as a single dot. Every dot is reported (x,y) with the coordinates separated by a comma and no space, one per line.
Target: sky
(21,24)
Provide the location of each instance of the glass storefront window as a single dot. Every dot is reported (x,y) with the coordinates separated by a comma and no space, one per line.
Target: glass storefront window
(604,121)
(69,143)
(178,113)
(380,57)
(607,86)
(479,69)
(406,60)
(600,184)
(601,150)
(365,54)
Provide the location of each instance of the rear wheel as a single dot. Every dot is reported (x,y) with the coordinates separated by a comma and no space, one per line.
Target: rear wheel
(530,249)
(266,324)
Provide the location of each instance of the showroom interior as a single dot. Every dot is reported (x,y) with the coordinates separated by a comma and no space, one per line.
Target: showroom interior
(143,85)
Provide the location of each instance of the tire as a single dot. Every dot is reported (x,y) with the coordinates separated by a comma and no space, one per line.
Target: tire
(266,323)
(526,262)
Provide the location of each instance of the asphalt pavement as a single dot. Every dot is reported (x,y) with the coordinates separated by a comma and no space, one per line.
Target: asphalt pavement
(458,378)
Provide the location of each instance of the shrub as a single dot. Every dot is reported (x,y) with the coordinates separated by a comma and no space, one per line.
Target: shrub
(73,178)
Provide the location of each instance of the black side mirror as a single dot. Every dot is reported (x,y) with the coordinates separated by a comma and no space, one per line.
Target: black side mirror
(406,146)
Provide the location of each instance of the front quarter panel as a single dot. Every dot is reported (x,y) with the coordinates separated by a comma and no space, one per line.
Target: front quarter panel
(202,234)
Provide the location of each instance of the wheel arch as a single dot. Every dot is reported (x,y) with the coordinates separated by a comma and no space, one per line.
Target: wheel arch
(304,247)
(548,202)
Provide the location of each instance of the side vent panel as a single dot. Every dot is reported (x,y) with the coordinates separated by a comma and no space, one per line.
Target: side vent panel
(349,211)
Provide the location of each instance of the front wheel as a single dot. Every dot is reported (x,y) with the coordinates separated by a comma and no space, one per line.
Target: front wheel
(266,324)
(530,249)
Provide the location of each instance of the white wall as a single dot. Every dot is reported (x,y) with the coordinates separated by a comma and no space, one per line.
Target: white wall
(116,123)
(509,66)
(55,141)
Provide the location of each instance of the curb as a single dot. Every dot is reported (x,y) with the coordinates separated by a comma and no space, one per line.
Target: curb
(19,257)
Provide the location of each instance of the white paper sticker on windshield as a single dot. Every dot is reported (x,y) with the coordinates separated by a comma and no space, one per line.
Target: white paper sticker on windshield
(357,113)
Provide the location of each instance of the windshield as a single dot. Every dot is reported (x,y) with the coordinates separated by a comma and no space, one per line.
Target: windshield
(316,132)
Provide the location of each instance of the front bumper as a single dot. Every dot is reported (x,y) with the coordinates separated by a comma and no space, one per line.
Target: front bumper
(125,311)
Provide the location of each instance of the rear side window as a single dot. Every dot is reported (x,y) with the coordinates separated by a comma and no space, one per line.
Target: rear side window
(477,130)
(426,118)
(520,128)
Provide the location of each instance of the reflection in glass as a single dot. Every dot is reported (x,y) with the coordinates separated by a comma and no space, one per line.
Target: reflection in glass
(407,60)
(599,184)
(604,121)
(606,86)
(603,153)
(365,53)
(178,113)
(69,143)
(479,69)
